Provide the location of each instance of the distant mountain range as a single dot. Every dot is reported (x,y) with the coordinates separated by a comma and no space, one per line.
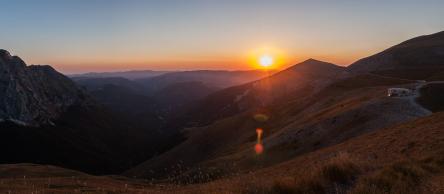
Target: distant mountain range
(211,78)
(156,80)
(124,74)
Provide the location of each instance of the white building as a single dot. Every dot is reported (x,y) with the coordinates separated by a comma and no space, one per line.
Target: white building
(399,92)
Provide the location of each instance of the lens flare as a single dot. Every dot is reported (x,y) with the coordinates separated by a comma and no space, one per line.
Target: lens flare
(260,117)
(259,132)
(259,148)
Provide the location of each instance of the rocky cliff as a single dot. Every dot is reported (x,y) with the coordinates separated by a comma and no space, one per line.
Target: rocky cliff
(34,95)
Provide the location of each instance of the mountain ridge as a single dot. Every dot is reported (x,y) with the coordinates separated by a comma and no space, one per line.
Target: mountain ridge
(424,53)
(35,94)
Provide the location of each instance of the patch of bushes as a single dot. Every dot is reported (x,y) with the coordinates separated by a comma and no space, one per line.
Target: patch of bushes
(402,177)
(342,175)
(336,176)
(340,172)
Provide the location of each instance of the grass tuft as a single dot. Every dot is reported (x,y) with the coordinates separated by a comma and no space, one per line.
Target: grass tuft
(339,173)
(401,177)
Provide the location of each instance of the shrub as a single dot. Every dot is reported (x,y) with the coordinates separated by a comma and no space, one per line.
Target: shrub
(342,172)
(339,172)
(402,177)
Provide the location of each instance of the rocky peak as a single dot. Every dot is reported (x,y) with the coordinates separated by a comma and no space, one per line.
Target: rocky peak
(5,55)
(10,63)
(34,95)
(314,67)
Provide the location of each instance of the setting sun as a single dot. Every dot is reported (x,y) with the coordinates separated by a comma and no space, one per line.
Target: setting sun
(266,57)
(266,61)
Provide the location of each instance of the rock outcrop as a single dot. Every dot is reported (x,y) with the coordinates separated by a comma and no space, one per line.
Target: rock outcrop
(34,95)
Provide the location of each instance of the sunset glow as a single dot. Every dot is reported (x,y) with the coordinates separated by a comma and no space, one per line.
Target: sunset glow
(268,57)
(192,35)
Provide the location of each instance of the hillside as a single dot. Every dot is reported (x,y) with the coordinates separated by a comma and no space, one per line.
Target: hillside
(93,84)
(418,58)
(144,107)
(406,158)
(336,113)
(182,93)
(302,79)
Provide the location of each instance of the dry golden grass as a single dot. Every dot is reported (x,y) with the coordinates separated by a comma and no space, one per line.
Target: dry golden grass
(338,169)
(408,158)
(342,175)
(336,175)
(401,177)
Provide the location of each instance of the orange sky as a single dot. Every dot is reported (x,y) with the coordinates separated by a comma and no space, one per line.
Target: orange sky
(88,35)
(248,60)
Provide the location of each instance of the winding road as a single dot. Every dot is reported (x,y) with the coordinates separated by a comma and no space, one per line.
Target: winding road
(417,93)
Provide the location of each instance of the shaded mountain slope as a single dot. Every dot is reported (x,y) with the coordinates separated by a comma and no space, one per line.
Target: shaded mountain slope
(92,84)
(46,118)
(34,95)
(138,108)
(148,108)
(180,94)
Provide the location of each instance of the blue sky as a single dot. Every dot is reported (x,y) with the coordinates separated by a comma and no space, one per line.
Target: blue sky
(107,35)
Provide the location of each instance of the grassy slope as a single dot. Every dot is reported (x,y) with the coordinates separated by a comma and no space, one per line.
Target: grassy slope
(393,159)
(224,148)
(31,178)
(407,158)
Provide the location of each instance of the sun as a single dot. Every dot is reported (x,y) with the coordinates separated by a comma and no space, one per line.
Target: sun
(266,61)
(266,58)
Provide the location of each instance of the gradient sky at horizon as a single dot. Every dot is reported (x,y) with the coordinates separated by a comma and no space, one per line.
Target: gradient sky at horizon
(113,35)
